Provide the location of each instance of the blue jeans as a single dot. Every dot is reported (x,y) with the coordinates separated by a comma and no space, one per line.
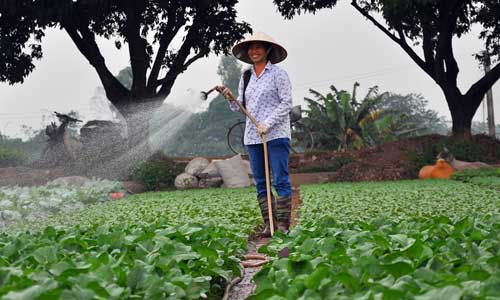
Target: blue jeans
(278,151)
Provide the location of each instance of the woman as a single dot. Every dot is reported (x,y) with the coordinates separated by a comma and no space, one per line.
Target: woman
(267,97)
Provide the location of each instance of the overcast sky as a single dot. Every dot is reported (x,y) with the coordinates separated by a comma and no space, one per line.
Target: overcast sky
(332,47)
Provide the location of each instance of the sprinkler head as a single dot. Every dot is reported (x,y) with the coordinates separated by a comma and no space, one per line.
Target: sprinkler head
(204,95)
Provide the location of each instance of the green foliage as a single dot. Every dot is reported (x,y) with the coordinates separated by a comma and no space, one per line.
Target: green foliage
(421,259)
(396,200)
(483,177)
(417,118)
(12,157)
(158,173)
(468,174)
(417,159)
(433,25)
(175,245)
(479,148)
(339,121)
(32,147)
(468,150)
(203,27)
(393,240)
(234,209)
(156,261)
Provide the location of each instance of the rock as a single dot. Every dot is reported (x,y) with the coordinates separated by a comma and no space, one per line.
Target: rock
(212,182)
(70,181)
(459,165)
(210,171)
(186,181)
(133,187)
(196,166)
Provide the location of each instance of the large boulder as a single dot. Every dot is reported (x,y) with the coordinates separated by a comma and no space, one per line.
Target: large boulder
(459,165)
(133,187)
(186,181)
(196,166)
(210,171)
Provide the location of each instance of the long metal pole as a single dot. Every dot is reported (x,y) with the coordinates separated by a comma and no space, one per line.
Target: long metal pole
(489,100)
(266,164)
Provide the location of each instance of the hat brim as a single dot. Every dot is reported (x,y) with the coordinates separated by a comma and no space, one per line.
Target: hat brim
(276,56)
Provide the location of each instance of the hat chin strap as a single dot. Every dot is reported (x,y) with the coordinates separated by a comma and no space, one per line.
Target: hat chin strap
(269,51)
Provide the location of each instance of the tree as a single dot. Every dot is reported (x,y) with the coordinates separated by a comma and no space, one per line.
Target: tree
(151,30)
(432,24)
(417,119)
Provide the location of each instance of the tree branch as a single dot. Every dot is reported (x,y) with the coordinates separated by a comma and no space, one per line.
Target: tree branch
(481,87)
(195,58)
(178,65)
(400,41)
(86,44)
(137,46)
(427,42)
(172,28)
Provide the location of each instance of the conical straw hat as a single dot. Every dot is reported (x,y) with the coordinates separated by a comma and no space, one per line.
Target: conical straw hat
(277,55)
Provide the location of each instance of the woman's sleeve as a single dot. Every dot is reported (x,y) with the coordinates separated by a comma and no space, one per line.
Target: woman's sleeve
(285,97)
(234,106)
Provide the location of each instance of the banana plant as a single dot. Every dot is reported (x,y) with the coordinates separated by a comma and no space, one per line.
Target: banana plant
(339,121)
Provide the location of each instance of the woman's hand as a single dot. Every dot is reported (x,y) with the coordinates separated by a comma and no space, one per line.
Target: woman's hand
(225,92)
(262,128)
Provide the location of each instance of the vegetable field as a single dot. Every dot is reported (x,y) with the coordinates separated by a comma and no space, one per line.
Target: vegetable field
(412,240)
(394,240)
(180,245)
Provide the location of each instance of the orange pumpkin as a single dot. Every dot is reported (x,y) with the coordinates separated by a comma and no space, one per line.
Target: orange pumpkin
(425,172)
(441,170)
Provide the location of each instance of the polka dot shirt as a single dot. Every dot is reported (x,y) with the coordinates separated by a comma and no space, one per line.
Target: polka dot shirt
(268,99)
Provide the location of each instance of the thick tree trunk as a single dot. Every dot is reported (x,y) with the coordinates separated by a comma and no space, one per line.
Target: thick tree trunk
(462,123)
(462,109)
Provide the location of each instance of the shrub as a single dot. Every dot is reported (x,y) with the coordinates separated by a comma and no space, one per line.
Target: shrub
(479,148)
(158,173)
(465,150)
(418,159)
(12,157)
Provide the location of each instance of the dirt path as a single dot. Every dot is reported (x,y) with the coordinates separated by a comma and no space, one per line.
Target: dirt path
(245,287)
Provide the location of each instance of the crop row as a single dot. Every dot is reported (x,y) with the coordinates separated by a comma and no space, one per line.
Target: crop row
(177,245)
(414,240)
(234,209)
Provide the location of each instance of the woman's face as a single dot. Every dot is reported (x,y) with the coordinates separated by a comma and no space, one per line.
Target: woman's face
(257,52)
